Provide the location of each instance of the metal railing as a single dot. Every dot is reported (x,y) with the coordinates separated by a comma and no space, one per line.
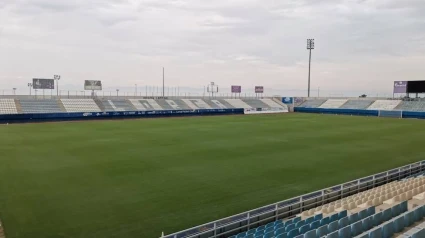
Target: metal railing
(291,207)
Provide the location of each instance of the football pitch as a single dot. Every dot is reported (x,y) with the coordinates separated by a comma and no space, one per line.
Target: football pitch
(137,178)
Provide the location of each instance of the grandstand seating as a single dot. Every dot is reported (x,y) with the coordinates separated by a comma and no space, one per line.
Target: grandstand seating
(197,104)
(145,104)
(237,103)
(40,106)
(8,106)
(313,103)
(80,105)
(357,104)
(216,104)
(255,103)
(382,211)
(117,105)
(417,106)
(333,103)
(384,104)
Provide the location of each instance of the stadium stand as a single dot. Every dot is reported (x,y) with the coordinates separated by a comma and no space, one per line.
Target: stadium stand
(254,103)
(40,106)
(237,103)
(145,104)
(382,211)
(313,103)
(197,104)
(80,105)
(216,104)
(116,105)
(333,103)
(384,105)
(271,103)
(8,106)
(357,104)
(417,106)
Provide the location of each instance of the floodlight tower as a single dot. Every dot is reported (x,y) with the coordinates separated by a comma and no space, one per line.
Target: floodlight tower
(310,46)
(29,86)
(57,77)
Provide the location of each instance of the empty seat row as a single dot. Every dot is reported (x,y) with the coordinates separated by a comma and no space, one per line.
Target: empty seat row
(8,106)
(397,224)
(80,105)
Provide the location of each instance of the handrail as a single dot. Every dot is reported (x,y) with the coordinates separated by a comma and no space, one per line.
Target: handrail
(244,216)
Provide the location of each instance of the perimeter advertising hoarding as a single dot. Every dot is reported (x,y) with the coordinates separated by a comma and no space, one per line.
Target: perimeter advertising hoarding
(400,87)
(236,89)
(288,100)
(43,83)
(259,89)
(92,85)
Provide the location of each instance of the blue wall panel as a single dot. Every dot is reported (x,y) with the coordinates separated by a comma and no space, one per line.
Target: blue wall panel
(356,112)
(43,117)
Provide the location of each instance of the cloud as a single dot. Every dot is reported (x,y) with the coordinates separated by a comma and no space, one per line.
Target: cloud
(242,41)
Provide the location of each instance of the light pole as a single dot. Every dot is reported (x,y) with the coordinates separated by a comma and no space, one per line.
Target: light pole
(57,77)
(29,86)
(310,46)
(14,91)
(135,90)
(117,92)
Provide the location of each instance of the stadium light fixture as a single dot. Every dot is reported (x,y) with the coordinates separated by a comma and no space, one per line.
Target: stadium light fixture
(57,77)
(117,91)
(29,86)
(310,46)
(14,91)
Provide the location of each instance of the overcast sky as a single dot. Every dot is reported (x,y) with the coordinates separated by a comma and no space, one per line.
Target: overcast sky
(361,45)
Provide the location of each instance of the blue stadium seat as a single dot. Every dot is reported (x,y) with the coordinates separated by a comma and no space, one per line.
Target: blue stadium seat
(284,235)
(287,223)
(310,219)
(310,234)
(251,232)
(334,234)
(377,219)
(260,228)
(260,232)
(353,218)
(322,231)
(419,234)
(342,214)
(371,211)
(376,233)
(314,225)
(296,219)
(258,235)
(270,225)
(324,221)
(417,215)
(279,231)
(343,222)
(304,229)
(318,217)
(409,218)
(395,210)
(363,214)
(345,232)
(367,223)
(269,235)
(364,235)
(279,226)
(356,228)
(300,224)
(388,229)
(387,215)
(333,218)
(293,233)
(299,236)
(403,206)
(399,224)
(270,229)
(250,236)
(278,222)
(333,226)
(290,227)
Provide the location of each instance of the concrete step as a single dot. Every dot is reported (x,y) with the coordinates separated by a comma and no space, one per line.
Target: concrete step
(62,107)
(99,104)
(18,106)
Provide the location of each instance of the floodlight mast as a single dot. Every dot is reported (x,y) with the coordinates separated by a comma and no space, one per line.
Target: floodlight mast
(57,77)
(310,46)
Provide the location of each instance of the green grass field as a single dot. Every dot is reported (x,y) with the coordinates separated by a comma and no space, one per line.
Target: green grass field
(136,178)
